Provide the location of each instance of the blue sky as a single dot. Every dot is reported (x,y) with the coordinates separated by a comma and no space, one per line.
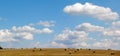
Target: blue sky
(60,23)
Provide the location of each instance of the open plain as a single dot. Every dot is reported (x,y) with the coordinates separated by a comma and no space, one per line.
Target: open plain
(58,52)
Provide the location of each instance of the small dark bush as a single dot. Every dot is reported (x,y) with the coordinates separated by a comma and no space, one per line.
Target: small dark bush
(112,53)
(1,47)
(70,53)
(65,49)
(77,49)
(93,51)
(22,48)
(40,49)
(89,49)
(109,49)
(33,50)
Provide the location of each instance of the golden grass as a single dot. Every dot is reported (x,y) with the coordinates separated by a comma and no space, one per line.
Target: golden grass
(58,52)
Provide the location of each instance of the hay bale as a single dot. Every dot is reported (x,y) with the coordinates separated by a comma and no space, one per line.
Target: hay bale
(33,50)
(70,53)
(77,49)
(65,49)
(108,49)
(21,48)
(112,53)
(89,49)
(40,49)
(93,51)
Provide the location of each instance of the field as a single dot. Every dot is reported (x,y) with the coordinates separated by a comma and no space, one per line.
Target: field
(58,52)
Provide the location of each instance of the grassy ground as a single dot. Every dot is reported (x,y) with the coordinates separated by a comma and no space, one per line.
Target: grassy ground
(58,52)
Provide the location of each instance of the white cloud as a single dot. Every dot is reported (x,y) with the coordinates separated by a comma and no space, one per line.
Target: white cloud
(89,27)
(31,29)
(58,45)
(102,13)
(26,35)
(6,35)
(77,38)
(9,36)
(75,35)
(85,36)
(37,44)
(70,38)
(47,30)
(105,43)
(23,29)
(23,32)
(46,23)
(112,32)
(84,44)
(116,24)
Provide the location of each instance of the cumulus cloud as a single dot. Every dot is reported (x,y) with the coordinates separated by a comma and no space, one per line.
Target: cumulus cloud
(47,30)
(112,32)
(31,29)
(25,35)
(46,23)
(102,13)
(68,34)
(23,32)
(105,43)
(23,29)
(116,24)
(85,36)
(37,44)
(6,35)
(89,27)
(73,38)
(58,45)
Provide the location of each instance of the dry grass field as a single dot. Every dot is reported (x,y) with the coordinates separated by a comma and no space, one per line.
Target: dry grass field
(58,52)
